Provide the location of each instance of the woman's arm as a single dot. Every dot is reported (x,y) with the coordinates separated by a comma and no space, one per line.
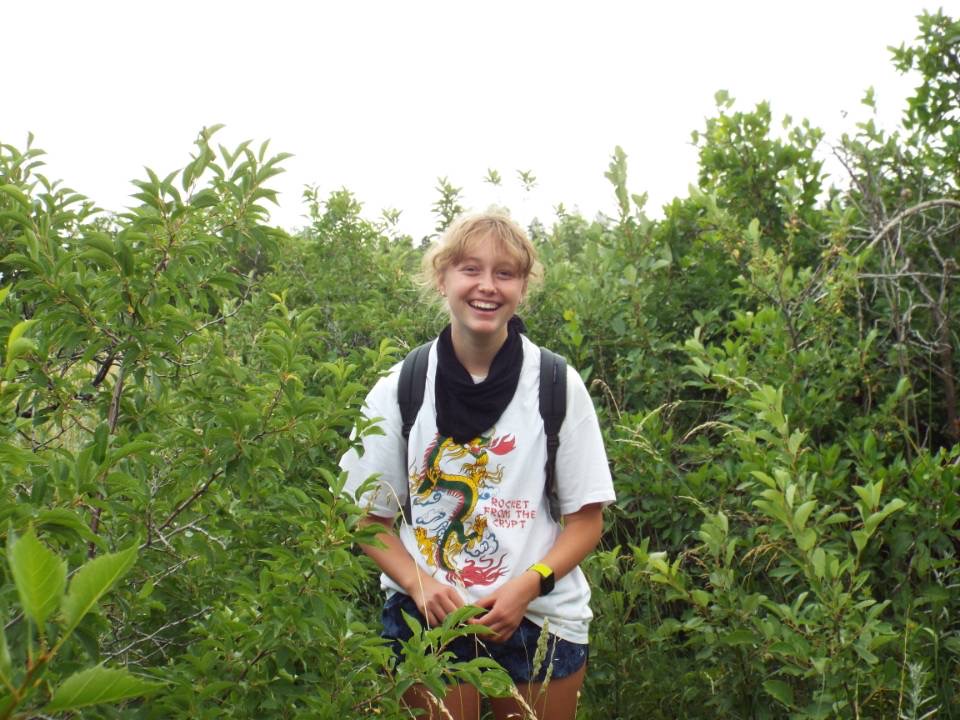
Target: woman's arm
(434,599)
(507,604)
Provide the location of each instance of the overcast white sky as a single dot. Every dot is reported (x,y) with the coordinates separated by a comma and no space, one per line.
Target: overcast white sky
(384,97)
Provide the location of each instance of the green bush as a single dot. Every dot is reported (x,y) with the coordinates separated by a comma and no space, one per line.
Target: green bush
(774,364)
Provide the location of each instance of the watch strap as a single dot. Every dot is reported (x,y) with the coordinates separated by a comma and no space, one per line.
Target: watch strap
(547,579)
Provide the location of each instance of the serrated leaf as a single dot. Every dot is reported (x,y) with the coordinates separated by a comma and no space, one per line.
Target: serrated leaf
(806,539)
(888,509)
(860,539)
(23,261)
(19,348)
(204,198)
(819,561)
(789,495)
(14,192)
(40,577)
(764,478)
(865,498)
(17,332)
(865,653)
(101,242)
(739,637)
(92,581)
(802,514)
(98,685)
(837,517)
(779,690)
(66,519)
(98,256)
(796,439)
(17,458)
(136,446)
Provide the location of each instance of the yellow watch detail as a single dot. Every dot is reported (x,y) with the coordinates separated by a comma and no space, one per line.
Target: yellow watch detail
(547,580)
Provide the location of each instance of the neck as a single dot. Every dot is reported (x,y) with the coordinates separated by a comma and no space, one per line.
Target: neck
(476,354)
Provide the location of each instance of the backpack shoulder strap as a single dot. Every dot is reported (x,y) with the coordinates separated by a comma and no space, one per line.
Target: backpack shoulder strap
(553,408)
(413,379)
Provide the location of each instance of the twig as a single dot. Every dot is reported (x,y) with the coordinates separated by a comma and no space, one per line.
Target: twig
(190,500)
(900,217)
(156,632)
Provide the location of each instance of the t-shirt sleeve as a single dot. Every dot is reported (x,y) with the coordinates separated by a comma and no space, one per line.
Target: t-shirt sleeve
(382,453)
(583,473)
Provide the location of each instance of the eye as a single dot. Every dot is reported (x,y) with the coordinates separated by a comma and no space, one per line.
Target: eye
(506,274)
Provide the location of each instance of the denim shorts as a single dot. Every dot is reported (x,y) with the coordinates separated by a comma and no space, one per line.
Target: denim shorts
(516,655)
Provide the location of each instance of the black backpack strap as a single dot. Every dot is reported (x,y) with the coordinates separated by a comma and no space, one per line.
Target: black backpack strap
(553,408)
(413,379)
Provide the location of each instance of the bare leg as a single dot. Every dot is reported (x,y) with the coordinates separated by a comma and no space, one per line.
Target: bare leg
(556,701)
(462,702)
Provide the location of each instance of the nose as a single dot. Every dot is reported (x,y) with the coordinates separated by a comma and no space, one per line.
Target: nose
(486,283)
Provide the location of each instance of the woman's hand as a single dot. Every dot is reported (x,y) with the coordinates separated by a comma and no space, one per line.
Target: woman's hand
(434,599)
(507,604)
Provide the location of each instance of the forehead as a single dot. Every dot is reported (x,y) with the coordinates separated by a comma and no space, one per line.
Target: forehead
(490,246)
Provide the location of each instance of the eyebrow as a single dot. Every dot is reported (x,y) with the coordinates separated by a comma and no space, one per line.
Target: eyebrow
(508,263)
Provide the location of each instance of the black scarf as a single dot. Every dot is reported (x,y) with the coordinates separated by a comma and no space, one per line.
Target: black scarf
(465,408)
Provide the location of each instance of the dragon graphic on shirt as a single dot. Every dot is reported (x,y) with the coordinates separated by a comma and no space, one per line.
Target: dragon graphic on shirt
(454,529)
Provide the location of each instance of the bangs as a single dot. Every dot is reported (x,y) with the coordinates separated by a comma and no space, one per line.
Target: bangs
(503,244)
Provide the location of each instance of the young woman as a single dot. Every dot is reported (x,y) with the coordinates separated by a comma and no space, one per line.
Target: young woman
(480,529)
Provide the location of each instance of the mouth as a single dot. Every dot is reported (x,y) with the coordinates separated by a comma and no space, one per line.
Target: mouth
(483,305)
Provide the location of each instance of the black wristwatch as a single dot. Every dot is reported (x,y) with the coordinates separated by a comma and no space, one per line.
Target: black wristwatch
(547,580)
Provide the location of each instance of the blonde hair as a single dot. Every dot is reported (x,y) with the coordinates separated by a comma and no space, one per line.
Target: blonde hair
(455,243)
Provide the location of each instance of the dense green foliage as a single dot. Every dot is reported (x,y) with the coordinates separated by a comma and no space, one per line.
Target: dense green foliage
(775,363)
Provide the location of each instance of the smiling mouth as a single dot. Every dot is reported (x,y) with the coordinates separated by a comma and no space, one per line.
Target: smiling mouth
(481,305)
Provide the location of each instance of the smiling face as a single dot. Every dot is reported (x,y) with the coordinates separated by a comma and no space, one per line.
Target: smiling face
(483,288)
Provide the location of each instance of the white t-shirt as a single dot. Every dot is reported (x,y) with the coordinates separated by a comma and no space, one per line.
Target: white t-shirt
(480,514)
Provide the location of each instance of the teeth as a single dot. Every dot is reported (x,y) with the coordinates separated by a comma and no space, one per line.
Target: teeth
(484,305)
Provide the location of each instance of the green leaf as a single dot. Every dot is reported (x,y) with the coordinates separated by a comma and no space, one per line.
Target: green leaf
(780,691)
(802,514)
(92,581)
(4,292)
(819,560)
(17,458)
(701,597)
(6,664)
(19,348)
(98,685)
(99,257)
(873,521)
(796,439)
(806,539)
(860,539)
(59,519)
(131,448)
(17,194)
(764,478)
(204,198)
(864,652)
(40,577)
(740,637)
(100,241)
(18,330)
